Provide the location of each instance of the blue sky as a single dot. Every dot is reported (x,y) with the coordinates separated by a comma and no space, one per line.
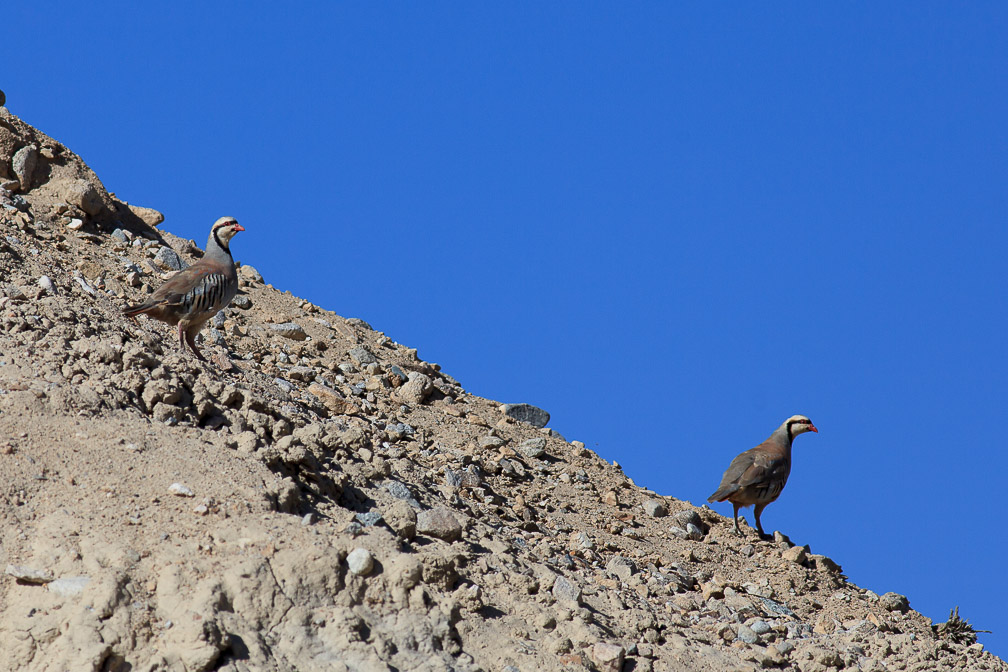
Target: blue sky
(670,227)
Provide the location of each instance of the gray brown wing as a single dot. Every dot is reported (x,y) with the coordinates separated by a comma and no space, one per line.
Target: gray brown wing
(199,287)
(741,467)
(764,468)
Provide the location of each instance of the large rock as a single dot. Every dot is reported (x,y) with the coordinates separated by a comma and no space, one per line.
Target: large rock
(290,330)
(401,518)
(564,590)
(416,388)
(23,165)
(169,259)
(440,523)
(895,602)
(148,216)
(527,413)
(85,196)
(608,657)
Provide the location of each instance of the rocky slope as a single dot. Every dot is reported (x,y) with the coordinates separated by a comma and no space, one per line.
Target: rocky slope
(318,497)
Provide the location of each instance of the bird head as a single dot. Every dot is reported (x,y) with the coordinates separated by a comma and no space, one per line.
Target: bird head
(225,228)
(799,424)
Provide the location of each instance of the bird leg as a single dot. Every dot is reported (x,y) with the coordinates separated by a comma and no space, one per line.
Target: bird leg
(190,337)
(737,530)
(757,510)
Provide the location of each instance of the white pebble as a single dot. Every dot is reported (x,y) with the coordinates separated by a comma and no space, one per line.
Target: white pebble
(360,561)
(180,490)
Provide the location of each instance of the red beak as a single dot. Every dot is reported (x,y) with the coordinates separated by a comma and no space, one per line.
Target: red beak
(812,427)
(239,227)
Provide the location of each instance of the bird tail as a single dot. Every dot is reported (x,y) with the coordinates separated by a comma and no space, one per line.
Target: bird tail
(136,309)
(721,494)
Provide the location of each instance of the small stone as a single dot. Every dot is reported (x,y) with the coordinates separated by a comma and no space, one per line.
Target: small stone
(490,442)
(368,518)
(249,273)
(169,259)
(686,517)
(69,586)
(120,235)
(76,224)
(693,532)
(248,442)
(895,602)
(608,657)
(677,531)
(621,567)
(747,635)
(398,430)
(581,540)
(289,330)
(308,519)
(772,657)
(713,589)
(534,447)
(654,508)
(565,591)
(828,658)
(332,399)
(29,574)
(825,564)
(401,491)
(402,518)
(242,301)
(201,509)
(795,554)
(362,356)
(284,385)
(439,523)
(180,490)
(360,561)
(215,336)
(46,283)
(526,413)
(824,625)
(760,627)
(396,376)
(305,374)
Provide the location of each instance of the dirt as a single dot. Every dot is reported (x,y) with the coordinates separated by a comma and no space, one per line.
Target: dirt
(159,513)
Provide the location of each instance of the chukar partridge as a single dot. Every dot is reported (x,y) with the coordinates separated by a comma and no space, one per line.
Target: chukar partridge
(195,294)
(757,476)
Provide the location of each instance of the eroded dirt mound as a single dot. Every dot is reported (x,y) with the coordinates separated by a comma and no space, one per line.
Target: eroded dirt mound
(318,497)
